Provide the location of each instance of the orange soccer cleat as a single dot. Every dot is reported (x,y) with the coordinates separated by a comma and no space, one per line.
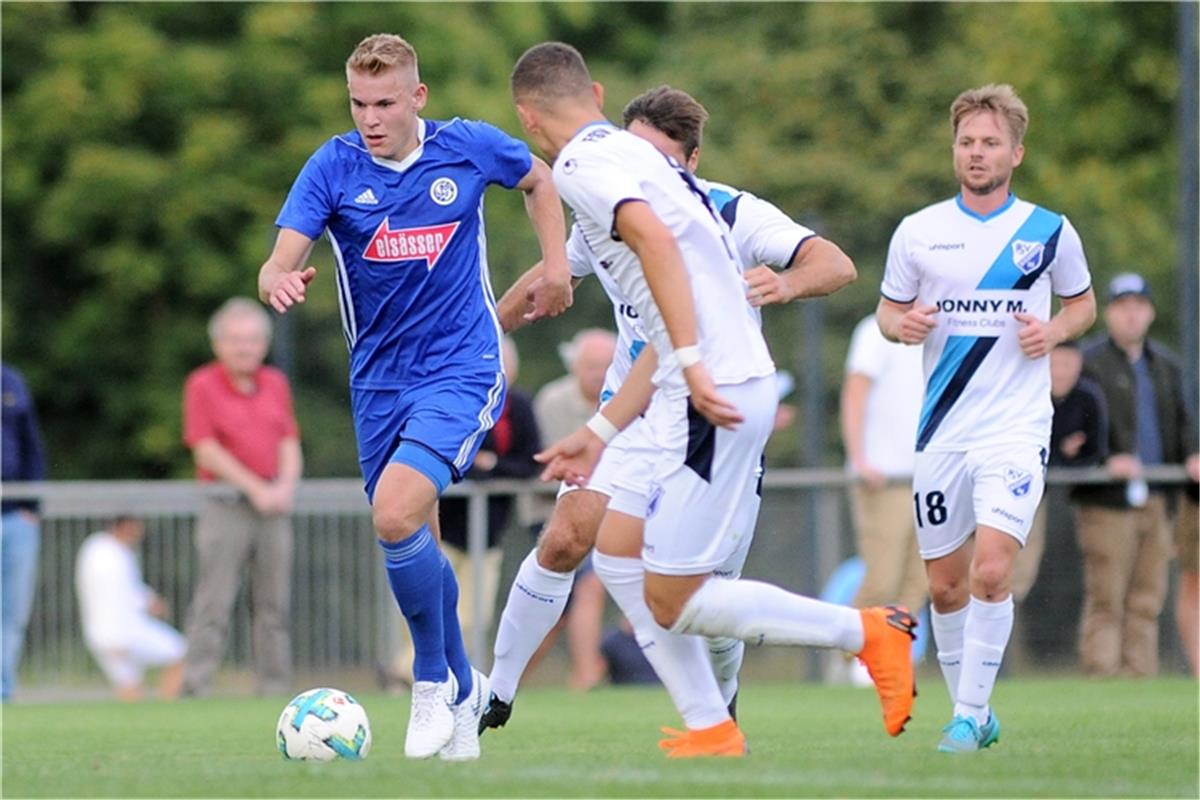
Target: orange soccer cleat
(724,739)
(887,655)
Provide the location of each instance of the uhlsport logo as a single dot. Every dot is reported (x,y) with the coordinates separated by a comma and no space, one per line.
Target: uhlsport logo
(443,191)
(1027,255)
(1018,481)
(409,244)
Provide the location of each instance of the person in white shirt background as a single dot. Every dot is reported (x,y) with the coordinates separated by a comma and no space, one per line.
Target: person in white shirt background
(122,616)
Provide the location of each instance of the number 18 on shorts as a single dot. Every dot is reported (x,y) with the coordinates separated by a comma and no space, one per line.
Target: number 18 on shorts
(953,493)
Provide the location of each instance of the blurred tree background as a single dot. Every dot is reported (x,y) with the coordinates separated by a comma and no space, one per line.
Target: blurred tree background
(148,147)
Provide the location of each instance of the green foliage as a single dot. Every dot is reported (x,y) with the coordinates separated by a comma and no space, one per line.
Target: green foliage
(1061,738)
(147,148)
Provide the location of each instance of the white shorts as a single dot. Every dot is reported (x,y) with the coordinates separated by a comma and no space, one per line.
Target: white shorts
(705,493)
(623,474)
(953,493)
(151,643)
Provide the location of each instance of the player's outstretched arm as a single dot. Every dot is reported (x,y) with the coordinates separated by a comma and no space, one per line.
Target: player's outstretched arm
(282,280)
(905,322)
(1038,338)
(818,268)
(513,308)
(552,295)
(574,457)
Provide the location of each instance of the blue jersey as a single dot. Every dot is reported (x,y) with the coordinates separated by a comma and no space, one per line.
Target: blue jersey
(409,242)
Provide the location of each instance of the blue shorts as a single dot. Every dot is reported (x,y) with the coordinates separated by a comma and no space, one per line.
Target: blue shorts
(443,421)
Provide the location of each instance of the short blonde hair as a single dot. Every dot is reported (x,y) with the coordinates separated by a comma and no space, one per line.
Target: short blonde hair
(998,97)
(380,52)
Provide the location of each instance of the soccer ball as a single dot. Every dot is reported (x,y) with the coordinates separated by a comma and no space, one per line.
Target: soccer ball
(323,725)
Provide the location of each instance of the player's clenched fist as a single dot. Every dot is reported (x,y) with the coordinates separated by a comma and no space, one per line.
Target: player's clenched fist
(1035,335)
(916,324)
(290,288)
(765,286)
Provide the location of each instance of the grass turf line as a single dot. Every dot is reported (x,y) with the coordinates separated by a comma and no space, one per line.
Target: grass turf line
(1061,738)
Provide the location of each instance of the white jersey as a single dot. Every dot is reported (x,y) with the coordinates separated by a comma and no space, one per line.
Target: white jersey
(762,234)
(112,595)
(602,168)
(980,388)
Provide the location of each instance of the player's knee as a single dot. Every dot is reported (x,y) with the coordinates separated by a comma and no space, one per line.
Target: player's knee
(663,607)
(396,524)
(563,546)
(948,594)
(990,579)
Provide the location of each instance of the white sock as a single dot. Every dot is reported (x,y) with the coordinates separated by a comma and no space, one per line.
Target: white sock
(535,604)
(760,613)
(948,635)
(681,662)
(725,654)
(984,638)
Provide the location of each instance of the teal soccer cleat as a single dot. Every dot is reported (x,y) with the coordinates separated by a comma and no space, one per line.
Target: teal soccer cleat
(964,735)
(989,733)
(960,736)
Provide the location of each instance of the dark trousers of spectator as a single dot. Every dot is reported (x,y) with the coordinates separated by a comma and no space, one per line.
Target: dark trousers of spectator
(228,534)
(1125,558)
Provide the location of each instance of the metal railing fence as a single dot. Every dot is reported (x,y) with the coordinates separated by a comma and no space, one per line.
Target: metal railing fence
(341,601)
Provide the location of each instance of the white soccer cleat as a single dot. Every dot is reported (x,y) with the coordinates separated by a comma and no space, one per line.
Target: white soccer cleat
(431,723)
(464,743)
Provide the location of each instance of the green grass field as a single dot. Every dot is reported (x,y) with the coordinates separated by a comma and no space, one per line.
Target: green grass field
(1061,738)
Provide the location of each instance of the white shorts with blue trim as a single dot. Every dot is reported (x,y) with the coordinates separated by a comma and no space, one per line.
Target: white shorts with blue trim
(705,490)
(999,486)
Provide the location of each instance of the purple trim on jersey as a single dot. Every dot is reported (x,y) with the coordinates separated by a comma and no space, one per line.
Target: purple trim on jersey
(616,237)
(796,250)
(1077,294)
(897,302)
(411,248)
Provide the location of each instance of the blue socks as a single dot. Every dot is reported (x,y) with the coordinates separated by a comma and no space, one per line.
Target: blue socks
(456,649)
(414,569)
(426,590)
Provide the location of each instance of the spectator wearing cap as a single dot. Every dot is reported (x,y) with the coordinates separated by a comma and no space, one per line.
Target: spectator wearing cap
(1123,528)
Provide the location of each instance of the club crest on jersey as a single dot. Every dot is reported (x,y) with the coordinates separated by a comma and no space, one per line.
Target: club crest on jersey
(443,191)
(409,244)
(1018,481)
(1027,255)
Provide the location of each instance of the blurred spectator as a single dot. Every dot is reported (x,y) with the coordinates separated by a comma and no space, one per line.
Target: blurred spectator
(562,406)
(881,405)
(1078,438)
(506,452)
(239,423)
(122,616)
(1123,530)
(20,533)
(1187,600)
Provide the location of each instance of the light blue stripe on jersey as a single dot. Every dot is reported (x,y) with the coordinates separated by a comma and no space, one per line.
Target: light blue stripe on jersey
(1039,228)
(953,353)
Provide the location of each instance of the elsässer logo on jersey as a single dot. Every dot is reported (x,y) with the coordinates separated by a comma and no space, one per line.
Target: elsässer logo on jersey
(426,243)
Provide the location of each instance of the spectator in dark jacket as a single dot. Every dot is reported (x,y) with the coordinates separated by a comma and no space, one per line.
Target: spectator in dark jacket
(20,533)
(1123,530)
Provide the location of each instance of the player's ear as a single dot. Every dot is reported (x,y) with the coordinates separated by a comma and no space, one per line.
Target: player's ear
(693,159)
(1018,155)
(528,118)
(598,94)
(420,97)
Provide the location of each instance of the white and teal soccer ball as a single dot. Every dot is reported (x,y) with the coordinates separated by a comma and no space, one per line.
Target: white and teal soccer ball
(323,725)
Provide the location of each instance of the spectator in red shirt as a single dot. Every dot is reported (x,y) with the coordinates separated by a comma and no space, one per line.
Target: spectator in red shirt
(239,424)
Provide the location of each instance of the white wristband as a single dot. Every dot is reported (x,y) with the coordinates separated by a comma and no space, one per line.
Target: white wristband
(600,426)
(687,356)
